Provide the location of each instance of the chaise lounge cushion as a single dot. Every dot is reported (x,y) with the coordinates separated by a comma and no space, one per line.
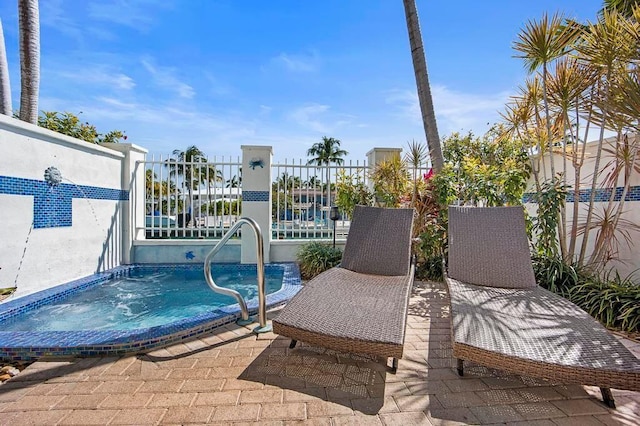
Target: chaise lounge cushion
(536,326)
(530,331)
(479,241)
(384,253)
(360,307)
(348,305)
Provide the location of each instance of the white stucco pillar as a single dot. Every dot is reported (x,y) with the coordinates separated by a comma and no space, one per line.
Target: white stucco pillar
(377,155)
(132,211)
(256,198)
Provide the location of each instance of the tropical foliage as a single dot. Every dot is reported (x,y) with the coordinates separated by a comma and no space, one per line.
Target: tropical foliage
(391,182)
(486,171)
(163,194)
(191,167)
(489,171)
(69,124)
(611,299)
(316,257)
(584,80)
(351,190)
(325,153)
(282,194)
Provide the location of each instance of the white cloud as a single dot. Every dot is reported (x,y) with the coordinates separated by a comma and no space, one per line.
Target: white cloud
(161,127)
(265,110)
(455,111)
(134,14)
(53,14)
(166,79)
(309,117)
(216,86)
(297,63)
(99,76)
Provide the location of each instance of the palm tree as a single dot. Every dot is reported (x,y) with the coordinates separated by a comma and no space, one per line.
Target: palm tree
(234,182)
(326,152)
(540,43)
(609,46)
(186,165)
(161,192)
(591,82)
(5,87)
(313,182)
(623,7)
(424,88)
(29,22)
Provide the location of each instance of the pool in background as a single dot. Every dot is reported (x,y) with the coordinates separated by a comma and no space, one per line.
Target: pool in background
(29,345)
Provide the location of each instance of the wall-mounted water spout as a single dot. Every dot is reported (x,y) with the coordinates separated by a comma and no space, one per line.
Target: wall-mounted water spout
(52,176)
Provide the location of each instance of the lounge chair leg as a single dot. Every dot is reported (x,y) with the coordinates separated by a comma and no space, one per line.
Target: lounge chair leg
(460,367)
(292,344)
(607,397)
(394,365)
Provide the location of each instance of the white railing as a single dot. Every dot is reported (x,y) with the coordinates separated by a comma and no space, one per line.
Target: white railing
(191,199)
(302,198)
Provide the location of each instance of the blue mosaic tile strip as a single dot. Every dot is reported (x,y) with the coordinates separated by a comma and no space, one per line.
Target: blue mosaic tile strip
(255,195)
(32,345)
(602,195)
(52,206)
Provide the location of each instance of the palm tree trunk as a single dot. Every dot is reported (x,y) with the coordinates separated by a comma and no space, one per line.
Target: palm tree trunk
(424,89)
(5,87)
(29,20)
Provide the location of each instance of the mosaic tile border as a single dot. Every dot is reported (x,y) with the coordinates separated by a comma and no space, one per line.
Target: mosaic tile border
(52,206)
(32,345)
(255,196)
(602,195)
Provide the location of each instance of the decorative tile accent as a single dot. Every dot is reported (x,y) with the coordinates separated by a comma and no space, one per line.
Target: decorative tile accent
(255,196)
(52,206)
(602,195)
(29,345)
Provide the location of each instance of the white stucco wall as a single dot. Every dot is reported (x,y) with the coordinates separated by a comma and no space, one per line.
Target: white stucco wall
(54,255)
(629,257)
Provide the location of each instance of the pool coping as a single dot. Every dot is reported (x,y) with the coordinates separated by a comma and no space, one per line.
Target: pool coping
(31,345)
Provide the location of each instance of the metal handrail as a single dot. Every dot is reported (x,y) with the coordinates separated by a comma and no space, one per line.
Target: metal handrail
(262,304)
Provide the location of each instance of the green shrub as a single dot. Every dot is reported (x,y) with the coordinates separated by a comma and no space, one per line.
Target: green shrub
(70,124)
(316,257)
(554,274)
(615,302)
(612,300)
(351,191)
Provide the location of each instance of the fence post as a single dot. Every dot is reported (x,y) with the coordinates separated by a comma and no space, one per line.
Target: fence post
(256,198)
(132,212)
(378,155)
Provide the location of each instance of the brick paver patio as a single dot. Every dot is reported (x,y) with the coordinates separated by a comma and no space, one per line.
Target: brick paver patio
(237,377)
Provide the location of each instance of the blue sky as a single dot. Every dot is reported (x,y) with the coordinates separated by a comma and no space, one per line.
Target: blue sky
(223,73)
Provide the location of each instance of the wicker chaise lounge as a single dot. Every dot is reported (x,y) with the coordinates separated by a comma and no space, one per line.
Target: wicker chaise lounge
(360,306)
(502,319)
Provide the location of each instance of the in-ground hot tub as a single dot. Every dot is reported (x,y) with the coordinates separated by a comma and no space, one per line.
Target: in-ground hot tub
(134,308)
